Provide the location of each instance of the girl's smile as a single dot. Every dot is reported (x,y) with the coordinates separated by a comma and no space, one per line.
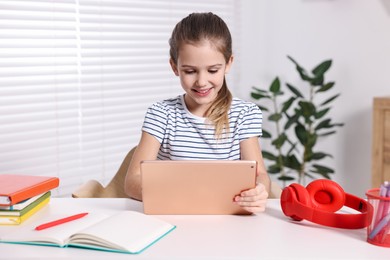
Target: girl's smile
(202,92)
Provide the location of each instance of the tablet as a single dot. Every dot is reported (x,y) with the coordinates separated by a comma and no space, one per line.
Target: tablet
(195,187)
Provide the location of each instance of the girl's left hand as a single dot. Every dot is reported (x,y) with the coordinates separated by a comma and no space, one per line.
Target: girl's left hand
(253,200)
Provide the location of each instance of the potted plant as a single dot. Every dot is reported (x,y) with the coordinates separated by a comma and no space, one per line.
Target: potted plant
(300,121)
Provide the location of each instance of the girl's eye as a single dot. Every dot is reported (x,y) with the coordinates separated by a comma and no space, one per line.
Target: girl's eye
(213,71)
(189,71)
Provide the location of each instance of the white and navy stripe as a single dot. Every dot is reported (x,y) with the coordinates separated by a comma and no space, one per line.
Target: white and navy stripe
(184,136)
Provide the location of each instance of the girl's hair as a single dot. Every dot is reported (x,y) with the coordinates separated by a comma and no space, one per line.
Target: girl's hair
(193,29)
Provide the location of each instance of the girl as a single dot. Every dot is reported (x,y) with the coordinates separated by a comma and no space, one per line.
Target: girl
(205,122)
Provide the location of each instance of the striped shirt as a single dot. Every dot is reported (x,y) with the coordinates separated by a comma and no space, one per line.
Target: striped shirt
(184,136)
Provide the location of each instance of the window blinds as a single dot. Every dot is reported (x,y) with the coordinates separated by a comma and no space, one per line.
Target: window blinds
(76,78)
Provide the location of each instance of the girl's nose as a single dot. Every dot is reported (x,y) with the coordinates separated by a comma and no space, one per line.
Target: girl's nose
(201,80)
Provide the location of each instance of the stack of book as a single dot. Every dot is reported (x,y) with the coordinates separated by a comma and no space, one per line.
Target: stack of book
(21,196)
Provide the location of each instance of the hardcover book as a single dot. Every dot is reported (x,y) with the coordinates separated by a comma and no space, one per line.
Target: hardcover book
(15,188)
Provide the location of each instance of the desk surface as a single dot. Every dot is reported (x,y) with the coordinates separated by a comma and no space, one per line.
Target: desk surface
(268,235)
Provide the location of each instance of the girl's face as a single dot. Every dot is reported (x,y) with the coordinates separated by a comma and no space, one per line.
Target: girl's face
(201,68)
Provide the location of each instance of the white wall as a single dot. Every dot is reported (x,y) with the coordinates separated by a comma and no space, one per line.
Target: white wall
(355,34)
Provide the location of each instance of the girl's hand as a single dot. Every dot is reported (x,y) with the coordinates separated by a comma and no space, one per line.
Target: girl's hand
(253,200)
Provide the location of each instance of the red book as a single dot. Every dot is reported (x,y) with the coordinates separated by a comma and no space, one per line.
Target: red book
(15,188)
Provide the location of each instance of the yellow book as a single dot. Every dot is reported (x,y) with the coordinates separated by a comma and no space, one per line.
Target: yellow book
(15,220)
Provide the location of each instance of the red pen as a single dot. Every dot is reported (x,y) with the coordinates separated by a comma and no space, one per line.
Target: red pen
(60,221)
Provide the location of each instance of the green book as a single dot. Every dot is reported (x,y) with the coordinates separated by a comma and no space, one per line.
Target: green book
(27,207)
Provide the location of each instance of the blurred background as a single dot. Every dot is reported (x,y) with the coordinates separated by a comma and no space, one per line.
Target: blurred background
(77,76)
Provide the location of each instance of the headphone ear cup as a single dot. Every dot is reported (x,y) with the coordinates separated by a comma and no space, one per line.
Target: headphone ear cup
(292,194)
(326,195)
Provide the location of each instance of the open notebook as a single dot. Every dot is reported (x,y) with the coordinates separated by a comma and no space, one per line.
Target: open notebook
(125,232)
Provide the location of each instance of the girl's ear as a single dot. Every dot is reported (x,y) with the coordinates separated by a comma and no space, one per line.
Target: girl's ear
(229,64)
(174,67)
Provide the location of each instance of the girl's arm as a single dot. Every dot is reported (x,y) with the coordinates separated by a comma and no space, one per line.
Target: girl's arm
(254,200)
(251,150)
(147,149)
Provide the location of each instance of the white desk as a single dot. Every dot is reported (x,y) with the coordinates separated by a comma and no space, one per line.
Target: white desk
(268,235)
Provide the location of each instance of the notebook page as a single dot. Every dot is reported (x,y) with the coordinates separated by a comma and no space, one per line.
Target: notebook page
(130,231)
(53,235)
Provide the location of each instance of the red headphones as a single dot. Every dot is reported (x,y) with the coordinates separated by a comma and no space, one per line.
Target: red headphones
(319,201)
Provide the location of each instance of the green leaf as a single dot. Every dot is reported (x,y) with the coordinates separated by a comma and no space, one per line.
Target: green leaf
(286,178)
(278,142)
(301,134)
(308,109)
(260,90)
(323,124)
(287,104)
(300,70)
(326,124)
(290,58)
(321,113)
(322,68)
(327,176)
(294,90)
(265,134)
(275,86)
(291,121)
(292,162)
(258,96)
(275,117)
(323,174)
(320,155)
(274,169)
(322,169)
(317,81)
(262,108)
(326,87)
(269,156)
(329,100)
(327,133)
